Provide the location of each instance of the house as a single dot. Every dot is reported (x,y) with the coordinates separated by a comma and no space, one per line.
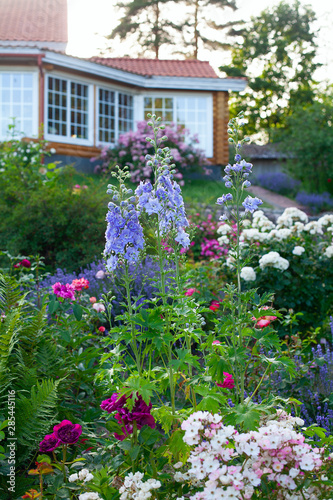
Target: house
(82,104)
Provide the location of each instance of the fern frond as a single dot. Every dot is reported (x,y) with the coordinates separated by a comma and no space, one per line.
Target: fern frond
(35,413)
(10,293)
(9,330)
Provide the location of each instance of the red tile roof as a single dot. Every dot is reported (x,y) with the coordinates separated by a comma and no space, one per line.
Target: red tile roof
(158,67)
(33,20)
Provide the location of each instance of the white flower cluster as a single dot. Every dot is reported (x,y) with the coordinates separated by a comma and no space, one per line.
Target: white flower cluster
(90,495)
(298,250)
(248,274)
(83,475)
(273,259)
(233,465)
(329,251)
(134,488)
(290,216)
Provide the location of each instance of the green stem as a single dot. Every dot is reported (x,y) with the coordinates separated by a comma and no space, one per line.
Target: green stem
(261,380)
(64,453)
(130,310)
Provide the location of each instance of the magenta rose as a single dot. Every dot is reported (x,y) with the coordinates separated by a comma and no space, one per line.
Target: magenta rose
(113,404)
(49,443)
(67,432)
(25,263)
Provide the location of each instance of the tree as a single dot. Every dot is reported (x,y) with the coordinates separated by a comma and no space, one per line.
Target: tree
(277,56)
(144,19)
(308,135)
(148,21)
(197,22)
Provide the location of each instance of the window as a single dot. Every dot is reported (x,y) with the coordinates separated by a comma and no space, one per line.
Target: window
(193,113)
(115,115)
(18,99)
(106,116)
(125,110)
(67,109)
(160,106)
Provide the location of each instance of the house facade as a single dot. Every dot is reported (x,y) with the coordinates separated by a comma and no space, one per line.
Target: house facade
(83,104)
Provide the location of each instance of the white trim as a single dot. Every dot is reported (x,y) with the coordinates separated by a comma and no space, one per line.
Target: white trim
(68,139)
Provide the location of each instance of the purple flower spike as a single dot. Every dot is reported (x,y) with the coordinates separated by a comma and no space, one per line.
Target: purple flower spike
(67,432)
(251,204)
(49,443)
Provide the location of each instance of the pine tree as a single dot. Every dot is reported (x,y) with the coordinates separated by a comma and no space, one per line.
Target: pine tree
(199,18)
(143,18)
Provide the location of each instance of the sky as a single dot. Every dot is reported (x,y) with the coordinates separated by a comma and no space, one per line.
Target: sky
(89,21)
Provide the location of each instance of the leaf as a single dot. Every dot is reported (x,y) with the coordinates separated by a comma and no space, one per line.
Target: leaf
(134,451)
(77,311)
(177,446)
(149,436)
(248,416)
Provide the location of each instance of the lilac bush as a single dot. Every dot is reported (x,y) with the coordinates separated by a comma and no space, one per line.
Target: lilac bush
(132,148)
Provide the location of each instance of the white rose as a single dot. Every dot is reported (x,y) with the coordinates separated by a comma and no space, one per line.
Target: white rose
(298,250)
(248,274)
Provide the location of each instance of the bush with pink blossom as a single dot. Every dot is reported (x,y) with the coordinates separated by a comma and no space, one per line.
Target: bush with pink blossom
(132,149)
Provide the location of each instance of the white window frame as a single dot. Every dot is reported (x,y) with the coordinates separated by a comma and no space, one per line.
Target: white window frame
(35,101)
(116,91)
(68,139)
(208,147)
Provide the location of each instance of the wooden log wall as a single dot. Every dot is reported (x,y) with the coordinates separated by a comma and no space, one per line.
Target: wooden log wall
(220,126)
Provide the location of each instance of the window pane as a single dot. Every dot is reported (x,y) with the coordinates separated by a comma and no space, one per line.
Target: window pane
(57,100)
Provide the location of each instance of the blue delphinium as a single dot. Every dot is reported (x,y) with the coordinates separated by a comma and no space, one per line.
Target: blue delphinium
(124,233)
(164,198)
(251,204)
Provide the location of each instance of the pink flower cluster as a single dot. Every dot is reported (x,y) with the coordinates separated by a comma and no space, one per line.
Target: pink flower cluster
(228,381)
(68,290)
(80,284)
(212,249)
(234,465)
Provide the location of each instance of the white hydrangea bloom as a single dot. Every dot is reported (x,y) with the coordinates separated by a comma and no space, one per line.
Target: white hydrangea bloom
(248,274)
(326,220)
(298,250)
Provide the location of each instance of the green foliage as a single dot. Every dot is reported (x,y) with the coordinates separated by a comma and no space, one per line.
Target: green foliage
(63,226)
(22,168)
(276,55)
(308,134)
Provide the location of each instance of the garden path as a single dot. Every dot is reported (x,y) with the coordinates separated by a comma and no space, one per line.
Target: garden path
(276,200)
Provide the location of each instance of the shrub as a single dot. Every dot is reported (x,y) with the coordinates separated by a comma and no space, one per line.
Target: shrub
(278,182)
(62,224)
(132,148)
